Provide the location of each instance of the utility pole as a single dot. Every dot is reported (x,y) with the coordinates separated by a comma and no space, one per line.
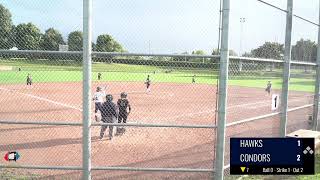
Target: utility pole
(242,21)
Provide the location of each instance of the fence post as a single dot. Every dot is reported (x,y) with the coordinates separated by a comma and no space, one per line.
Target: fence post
(316,91)
(86,115)
(286,70)
(222,101)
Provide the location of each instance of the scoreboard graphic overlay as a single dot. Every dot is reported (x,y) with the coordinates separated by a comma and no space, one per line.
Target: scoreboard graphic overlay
(272,156)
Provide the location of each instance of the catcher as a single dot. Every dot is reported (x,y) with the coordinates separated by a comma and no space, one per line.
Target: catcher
(124,111)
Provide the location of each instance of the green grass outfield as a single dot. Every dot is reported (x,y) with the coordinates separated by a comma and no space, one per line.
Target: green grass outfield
(124,72)
(296,84)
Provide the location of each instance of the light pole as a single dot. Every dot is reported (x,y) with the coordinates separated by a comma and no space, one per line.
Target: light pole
(242,21)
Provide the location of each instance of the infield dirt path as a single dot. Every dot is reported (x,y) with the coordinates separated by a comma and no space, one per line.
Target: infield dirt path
(139,147)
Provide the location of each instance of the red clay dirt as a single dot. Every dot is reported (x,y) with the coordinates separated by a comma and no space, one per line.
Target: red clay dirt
(168,103)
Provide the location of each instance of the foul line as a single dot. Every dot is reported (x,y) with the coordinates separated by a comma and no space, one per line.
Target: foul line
(144,92)
(43,99)
(268,103)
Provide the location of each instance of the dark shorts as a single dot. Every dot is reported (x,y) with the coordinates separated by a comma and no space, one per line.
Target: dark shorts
(268,89)
(122,117)
(148,85)
(97,106)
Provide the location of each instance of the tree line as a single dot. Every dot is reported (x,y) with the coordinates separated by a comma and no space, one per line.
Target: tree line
(303,50)
(27,36)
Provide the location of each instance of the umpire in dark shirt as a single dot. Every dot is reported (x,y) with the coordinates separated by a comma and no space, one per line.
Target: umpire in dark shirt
(109,115)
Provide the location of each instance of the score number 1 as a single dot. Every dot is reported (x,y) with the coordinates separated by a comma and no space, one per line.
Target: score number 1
(298,155)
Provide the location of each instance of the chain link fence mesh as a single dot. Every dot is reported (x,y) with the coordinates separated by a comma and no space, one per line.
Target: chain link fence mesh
(176,83)
(249,98)
(302,76)
(252,77)
(255,74)
(10,173)
(41,81)
(149,175)
(55,96)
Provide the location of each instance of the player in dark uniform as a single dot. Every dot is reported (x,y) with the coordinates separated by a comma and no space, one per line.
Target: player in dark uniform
(268,89)
(148,83)
(109,115)
(194,79)
(124,110)
(99,76)
(29,79)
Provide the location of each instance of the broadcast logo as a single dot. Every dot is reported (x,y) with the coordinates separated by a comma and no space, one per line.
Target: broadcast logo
(12,156)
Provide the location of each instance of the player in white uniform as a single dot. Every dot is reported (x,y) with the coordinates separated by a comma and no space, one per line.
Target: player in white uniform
(98,100)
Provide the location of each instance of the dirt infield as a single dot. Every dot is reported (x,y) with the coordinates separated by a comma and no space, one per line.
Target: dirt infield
(139,147)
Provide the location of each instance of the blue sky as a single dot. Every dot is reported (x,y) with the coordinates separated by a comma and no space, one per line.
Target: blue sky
(170,26)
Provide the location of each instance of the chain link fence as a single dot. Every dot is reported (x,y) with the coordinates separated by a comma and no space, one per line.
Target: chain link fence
(250,111)
(55,97)
(171,127)
(50,112)
(171,130)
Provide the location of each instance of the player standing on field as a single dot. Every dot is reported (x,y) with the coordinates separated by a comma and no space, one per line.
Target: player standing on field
(194,79)
(268,89)
(109,115)
(29,79)
(99,76)
(148,83)
(98,100)
(124,110)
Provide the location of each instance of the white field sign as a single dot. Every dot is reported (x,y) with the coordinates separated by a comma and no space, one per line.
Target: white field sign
(275,102)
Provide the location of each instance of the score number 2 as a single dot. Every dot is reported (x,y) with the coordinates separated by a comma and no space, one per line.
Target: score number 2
(298,156)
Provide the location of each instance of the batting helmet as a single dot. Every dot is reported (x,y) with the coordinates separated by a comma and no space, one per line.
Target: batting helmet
(123,95)
(109,97)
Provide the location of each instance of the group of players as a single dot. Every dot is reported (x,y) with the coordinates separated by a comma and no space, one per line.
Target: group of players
(110,112)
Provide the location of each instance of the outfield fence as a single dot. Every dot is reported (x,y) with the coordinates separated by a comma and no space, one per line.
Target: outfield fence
(179,128)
